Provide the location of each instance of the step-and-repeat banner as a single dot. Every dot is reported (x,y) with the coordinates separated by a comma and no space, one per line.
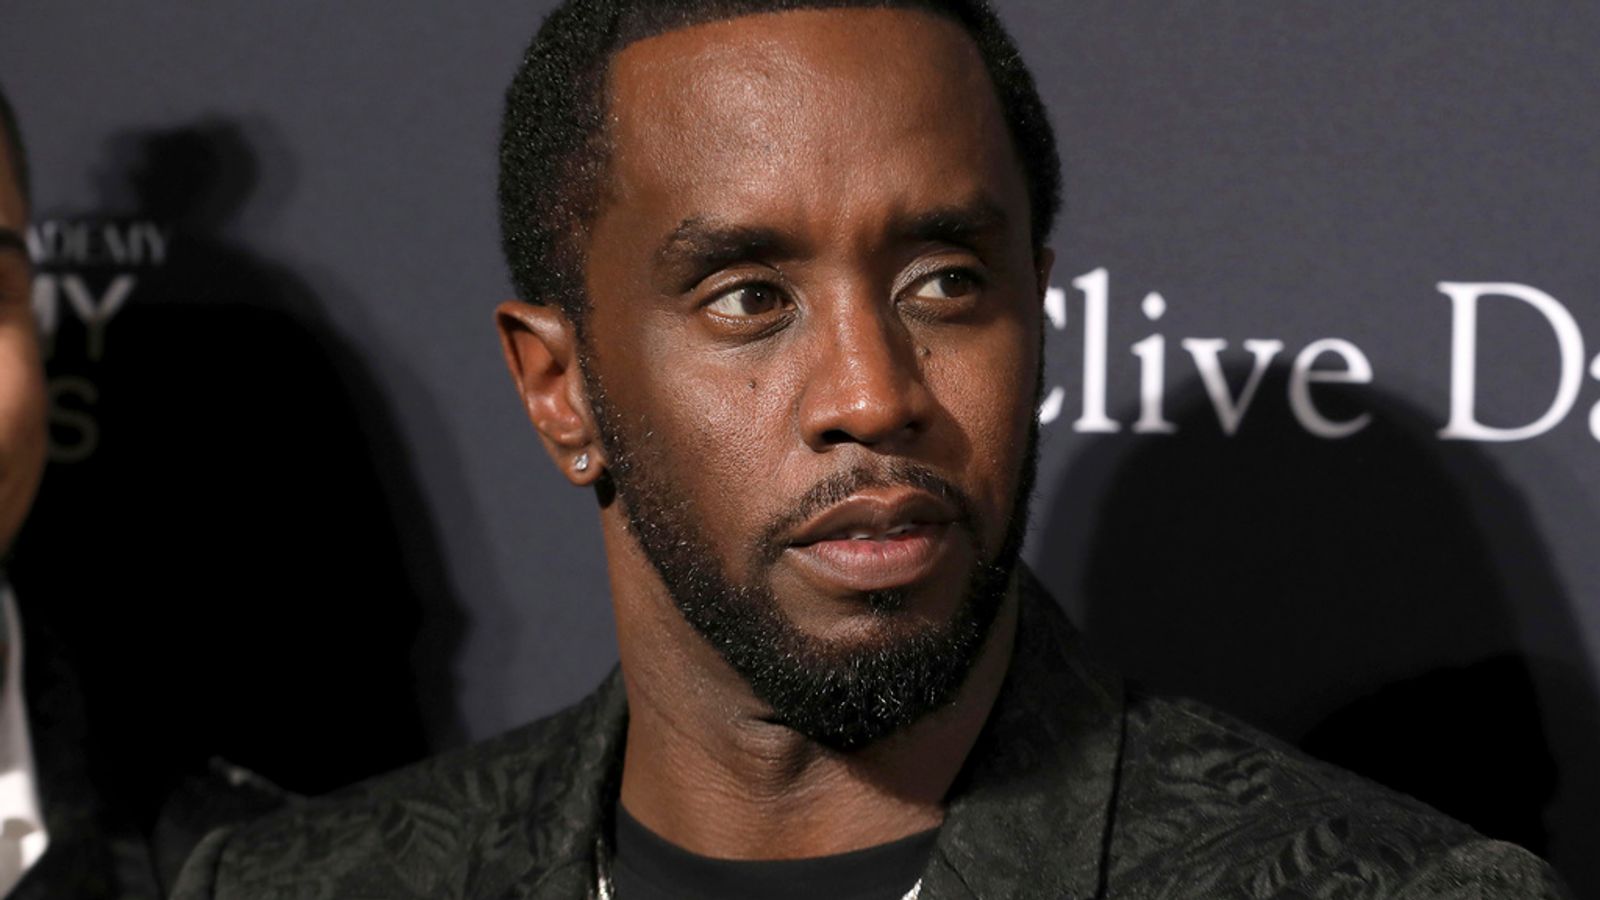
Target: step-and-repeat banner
(1322,412)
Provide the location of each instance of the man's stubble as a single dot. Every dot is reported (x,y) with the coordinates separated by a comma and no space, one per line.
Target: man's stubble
(844,695)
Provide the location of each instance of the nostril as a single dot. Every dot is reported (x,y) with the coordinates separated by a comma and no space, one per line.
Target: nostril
(869,435)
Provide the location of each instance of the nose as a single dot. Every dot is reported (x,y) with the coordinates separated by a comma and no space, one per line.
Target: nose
(864,381)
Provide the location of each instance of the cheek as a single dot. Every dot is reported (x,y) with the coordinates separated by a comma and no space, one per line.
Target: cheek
(22,425)
(687,425)
(718,439)
(986,390)
(722,431)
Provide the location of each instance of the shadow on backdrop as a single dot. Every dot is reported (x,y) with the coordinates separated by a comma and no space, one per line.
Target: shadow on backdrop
(1361,597)
(230,538)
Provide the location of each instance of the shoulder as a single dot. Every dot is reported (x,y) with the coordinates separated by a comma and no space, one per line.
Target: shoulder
(1211,803)
(422,831)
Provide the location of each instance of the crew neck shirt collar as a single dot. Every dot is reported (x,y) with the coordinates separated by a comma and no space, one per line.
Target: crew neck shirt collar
(647,866)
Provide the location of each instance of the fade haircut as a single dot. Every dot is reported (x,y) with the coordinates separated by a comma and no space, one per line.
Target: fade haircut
(11,133)
(553,143)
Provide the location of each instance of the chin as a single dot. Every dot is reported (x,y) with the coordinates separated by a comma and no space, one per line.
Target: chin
(881,621)
(864,672)
(836,611)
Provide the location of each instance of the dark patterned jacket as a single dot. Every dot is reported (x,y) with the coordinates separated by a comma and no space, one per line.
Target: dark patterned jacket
(1077,788)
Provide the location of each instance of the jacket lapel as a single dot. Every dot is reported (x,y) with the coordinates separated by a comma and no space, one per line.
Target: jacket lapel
(1030,815)
(84,859)
(576,792)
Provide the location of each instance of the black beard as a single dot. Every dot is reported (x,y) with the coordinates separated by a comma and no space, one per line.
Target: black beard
(843,696)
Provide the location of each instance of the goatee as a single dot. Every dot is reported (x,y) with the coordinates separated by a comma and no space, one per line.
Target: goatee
(843,695)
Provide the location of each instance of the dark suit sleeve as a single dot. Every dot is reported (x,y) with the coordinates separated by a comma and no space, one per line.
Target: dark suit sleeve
(198,880)
(1486,870)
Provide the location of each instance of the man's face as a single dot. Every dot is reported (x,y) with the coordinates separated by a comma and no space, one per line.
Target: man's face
(813,350)
(22,403)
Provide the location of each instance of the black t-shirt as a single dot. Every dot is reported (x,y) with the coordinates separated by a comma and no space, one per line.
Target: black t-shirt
(648,867)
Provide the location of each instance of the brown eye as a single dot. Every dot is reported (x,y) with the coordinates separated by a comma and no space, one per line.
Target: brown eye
(747,301)
(953,284)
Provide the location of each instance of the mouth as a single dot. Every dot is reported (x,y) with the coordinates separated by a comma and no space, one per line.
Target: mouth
(875,540)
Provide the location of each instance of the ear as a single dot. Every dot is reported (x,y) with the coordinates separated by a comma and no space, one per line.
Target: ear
(541,347)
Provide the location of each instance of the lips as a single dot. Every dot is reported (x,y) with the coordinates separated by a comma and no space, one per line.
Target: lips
(873,515)
(863,534)
(874,540)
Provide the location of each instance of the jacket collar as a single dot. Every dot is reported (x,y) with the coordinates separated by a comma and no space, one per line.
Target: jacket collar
(1031,813)
(574,793)
(1029,816)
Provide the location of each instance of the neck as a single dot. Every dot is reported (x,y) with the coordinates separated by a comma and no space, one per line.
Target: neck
(706,769)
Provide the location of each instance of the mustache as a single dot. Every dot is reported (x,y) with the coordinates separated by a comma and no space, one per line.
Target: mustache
(840,486)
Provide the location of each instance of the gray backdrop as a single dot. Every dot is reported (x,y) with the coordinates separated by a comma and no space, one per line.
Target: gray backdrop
(1422,606)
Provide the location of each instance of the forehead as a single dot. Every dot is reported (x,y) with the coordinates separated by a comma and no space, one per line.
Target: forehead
(809,109)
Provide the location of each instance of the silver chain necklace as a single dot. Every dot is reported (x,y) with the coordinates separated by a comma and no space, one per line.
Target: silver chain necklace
(603,889)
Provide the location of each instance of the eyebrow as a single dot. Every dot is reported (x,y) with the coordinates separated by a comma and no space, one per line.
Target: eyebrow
(960,224)
(703,244)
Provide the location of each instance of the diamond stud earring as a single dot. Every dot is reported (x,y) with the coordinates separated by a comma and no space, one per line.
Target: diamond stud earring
(581,464)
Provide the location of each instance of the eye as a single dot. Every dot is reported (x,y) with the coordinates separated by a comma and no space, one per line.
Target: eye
(747,301)
(951,284)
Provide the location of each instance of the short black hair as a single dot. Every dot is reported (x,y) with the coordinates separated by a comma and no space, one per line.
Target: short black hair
(11,133)
(553,142)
